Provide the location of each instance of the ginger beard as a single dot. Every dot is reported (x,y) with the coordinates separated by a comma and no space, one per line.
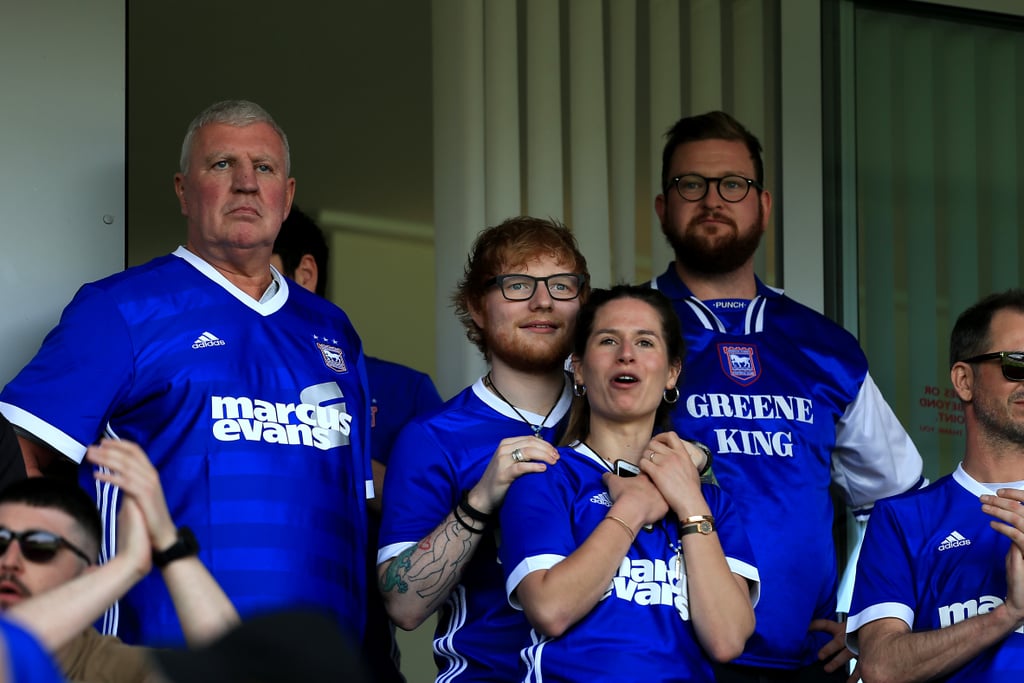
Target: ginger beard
(715,254)
(526,352)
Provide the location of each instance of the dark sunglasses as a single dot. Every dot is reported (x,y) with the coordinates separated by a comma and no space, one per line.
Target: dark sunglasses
(38,546)
(1012,363)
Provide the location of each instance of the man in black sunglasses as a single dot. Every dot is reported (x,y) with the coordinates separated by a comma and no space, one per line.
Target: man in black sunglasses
(50,539)
(940,582)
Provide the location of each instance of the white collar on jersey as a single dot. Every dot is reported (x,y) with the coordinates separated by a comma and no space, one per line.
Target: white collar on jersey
(979,488)
(271,301)
(553,418)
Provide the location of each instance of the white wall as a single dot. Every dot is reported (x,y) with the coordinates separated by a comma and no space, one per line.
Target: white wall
(62,150)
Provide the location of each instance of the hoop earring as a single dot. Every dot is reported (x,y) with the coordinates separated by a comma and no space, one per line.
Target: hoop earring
(579,390)
(675,396)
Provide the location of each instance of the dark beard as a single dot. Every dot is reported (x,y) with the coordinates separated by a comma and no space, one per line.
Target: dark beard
(999,428)
(695,255)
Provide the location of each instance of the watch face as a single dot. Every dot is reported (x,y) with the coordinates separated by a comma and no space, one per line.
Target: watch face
(705,527)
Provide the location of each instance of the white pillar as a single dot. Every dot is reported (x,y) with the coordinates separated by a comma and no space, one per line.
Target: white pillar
(457,29)
(544,177)
(588,134)
(666,105)
(622,139)
(501,111)
(803,240)
(704,29)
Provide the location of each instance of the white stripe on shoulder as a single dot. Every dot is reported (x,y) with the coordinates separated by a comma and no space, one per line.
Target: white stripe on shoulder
(755,316)
(708,319)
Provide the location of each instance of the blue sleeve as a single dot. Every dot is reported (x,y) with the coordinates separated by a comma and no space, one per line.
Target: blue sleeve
(420,489)
(67,393)
(536,522)
(884,586)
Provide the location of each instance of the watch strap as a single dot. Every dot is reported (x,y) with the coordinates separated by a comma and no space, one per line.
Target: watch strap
(697,524)
(186,545)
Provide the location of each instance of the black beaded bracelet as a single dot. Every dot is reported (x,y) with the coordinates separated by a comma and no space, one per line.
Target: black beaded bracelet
(472,512)
(465,525)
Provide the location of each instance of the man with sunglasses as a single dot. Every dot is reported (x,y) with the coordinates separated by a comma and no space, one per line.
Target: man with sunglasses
(940,581)
(448,473)
(780,394)
(49,543)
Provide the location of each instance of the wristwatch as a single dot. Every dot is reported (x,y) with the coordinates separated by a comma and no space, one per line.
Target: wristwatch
(185,546)
(707,455)
(698,524)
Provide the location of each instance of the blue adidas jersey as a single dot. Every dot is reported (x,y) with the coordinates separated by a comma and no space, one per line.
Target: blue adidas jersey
(434,460)
(398,394)
(783,397)
(931,559)
(641,629)
(255,415)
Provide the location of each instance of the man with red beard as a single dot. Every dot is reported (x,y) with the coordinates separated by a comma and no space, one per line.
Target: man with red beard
(781,394)
(448,473)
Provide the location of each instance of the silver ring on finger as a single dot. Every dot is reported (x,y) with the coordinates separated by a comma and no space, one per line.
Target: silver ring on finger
(650,456)
(517,455)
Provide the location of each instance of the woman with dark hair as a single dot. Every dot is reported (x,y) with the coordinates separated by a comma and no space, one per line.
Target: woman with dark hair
(627,566)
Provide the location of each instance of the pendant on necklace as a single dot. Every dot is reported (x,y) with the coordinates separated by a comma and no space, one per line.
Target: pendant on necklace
(535,428)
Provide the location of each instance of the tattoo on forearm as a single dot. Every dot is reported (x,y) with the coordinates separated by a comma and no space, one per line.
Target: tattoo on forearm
(434,566)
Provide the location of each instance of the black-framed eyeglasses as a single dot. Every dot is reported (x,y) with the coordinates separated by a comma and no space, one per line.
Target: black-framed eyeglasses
(1012,363)
(38,546)
(731,188)
(520,287)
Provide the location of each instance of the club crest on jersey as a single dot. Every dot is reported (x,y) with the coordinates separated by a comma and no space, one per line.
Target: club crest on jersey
(740,362)
(333,357)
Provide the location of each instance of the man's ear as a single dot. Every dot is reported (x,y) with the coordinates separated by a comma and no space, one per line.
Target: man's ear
(659,208)
(306,273)
(577,373)
(962,376)
(179,191)
(478,316)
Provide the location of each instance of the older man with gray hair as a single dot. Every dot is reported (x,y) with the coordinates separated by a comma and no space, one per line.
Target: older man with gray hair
(248,394)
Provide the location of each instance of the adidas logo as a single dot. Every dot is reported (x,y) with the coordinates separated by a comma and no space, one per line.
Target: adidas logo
(954,540)
(602,499)
(207,339)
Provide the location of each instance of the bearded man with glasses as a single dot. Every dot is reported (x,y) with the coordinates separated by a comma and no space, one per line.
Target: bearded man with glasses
(50,534)
(780,394)
(940,582)
(448,472)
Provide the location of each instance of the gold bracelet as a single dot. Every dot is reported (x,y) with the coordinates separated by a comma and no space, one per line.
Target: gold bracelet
(632,536)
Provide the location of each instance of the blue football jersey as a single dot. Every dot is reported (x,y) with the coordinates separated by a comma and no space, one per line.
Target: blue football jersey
(641,629)
(783,397)
(931,559)
(434,460)
(398,394)
(255,414)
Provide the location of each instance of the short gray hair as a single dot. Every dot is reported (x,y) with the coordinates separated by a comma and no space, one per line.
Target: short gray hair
(232,113)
